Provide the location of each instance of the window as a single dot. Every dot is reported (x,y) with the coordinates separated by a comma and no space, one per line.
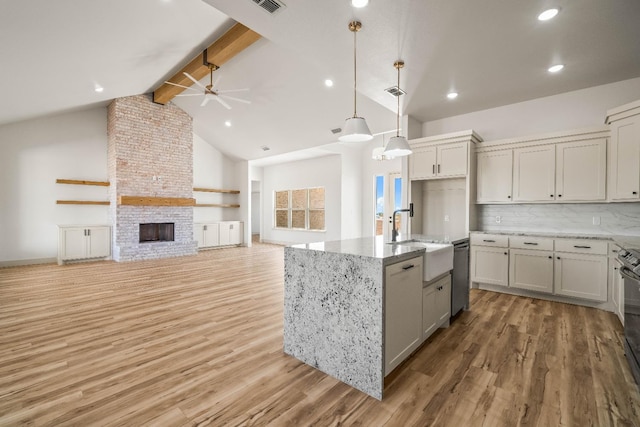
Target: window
(301,209)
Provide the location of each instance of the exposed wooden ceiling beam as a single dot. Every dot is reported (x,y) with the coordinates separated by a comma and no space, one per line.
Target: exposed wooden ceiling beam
(226,47)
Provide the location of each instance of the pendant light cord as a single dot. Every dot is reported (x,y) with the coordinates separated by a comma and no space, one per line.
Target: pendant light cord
(355,78)
(398,115)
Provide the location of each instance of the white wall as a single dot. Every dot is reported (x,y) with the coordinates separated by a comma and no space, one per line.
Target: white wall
(319,172)
(34,154)
(212,169)
(571,110)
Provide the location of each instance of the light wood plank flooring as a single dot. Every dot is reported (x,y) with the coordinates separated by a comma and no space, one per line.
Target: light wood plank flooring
(198,341)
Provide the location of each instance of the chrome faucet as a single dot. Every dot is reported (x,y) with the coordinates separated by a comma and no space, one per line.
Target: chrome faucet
(394,231)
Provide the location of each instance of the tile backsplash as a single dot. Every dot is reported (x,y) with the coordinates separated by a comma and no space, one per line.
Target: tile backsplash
(609,218)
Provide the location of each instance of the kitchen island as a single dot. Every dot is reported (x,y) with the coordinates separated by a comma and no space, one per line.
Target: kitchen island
(334,303)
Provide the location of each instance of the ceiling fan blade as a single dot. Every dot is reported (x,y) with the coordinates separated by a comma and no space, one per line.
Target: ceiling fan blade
(204,101)
(246,89)
(234,99)
(184,87)
(221,101)
(190,77)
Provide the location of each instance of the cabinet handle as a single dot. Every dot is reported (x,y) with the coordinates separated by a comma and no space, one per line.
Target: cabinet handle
(205,228)
(635,192)
(508,197)
(615,268)
(408,267)
(433,169)
(550,257)
(488,241)
(89,232)
(530,243)
(581,247)
(558,257)
(506,253)
(85,231)
(559,195)
(438,168)
(550,195)
(614,251)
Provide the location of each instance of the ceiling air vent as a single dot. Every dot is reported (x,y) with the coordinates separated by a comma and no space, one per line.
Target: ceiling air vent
(336,130)
(395,91)
(271,6)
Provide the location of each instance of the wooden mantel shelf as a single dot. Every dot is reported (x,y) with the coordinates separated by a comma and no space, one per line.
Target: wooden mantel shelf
(82,182)
(82,202)
(156,201)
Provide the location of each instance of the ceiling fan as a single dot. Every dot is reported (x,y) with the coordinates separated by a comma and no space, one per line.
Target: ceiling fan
(209,91)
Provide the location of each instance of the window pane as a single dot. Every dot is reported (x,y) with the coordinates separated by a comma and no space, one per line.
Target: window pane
(282,218)
(299,199)
(316,198)
(282,199)
(316,220)
(298,219)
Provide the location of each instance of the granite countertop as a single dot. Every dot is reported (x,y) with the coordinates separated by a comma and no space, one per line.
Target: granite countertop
(371,247)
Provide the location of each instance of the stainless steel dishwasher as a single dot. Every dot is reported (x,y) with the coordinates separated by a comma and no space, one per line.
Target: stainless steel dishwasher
(460,277)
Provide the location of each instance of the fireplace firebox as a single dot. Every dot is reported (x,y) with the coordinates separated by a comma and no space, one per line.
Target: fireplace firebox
(157,232)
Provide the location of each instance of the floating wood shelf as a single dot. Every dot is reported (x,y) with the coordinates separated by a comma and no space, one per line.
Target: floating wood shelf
(81,202)
(80,182)
(155,201)
(215,190)
(216,205)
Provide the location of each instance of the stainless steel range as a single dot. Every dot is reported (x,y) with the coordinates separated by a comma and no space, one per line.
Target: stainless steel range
(630,271)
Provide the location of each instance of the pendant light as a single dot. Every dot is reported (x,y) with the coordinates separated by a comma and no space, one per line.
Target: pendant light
(398,145)
(378,152)
(355,128)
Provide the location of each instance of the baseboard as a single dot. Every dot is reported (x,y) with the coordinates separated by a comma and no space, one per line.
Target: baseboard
(21,262)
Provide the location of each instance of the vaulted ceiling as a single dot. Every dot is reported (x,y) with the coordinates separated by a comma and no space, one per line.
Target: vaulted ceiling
(494,52)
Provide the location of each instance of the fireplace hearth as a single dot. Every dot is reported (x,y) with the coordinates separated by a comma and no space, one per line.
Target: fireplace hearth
(157,232)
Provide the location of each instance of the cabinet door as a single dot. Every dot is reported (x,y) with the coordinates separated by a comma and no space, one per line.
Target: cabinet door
(235,233)
(581,170)
(99,242)
(429,311)
(225,234)
(490,265)
(531,270)
(210,235)
(198,234)
(443,300)
(615,282)
(403,311)
(495,170)
(423,163)
(624,166)
(452,160)
(581,276)
(74,242)
(534,174)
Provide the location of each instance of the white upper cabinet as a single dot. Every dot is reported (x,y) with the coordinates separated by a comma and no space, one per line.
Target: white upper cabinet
(423,163)
(534,174)
(624,163)
(452,160)
(495,170)
(581,170)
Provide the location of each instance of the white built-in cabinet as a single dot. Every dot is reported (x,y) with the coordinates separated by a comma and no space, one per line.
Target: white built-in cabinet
(213,234)
(436,305)
(575,268)
(443,156)
(495,176)
(78,242)
(624,153)
(403,311)
(616,282)
(558,168)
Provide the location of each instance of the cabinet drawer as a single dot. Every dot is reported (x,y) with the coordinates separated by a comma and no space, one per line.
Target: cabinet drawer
(405,266)
(582,246)
(533,243)
(497,240)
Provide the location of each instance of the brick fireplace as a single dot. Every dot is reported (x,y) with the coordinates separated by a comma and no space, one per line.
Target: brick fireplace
(150,152)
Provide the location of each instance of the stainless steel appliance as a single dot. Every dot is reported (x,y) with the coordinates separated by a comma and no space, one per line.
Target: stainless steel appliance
(630,272)
(460,277)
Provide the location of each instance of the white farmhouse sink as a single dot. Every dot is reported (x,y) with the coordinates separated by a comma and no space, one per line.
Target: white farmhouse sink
(438,258)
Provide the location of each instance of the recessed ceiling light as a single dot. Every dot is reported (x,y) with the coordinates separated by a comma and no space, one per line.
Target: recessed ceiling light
(227,123)
(452,95)
(98,88)
(547,14)
(359,3)
(328,83)
(555,68)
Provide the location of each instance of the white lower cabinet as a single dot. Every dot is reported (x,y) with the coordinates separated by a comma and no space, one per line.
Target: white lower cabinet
(532,270)
(218,234)
(83,242)
(490,265)
(436,305)
(402,312)
(581,276)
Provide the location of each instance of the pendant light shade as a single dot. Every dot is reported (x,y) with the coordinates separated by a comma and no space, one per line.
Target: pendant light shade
(355,128)
(398,145)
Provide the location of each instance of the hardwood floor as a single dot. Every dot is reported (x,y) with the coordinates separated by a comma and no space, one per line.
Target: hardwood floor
(198,341)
